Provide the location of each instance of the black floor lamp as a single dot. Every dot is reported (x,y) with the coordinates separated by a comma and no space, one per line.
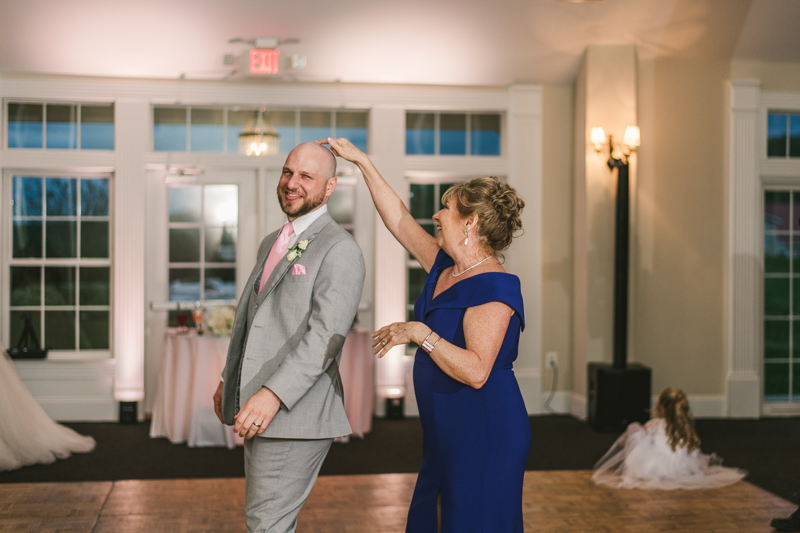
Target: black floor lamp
(619,393)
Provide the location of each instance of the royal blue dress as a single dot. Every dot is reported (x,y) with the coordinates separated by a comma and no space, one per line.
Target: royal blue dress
(475,441)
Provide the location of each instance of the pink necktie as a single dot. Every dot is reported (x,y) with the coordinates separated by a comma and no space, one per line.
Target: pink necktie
(278,249)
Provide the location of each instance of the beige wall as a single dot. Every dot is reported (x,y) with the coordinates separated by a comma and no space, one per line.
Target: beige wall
(679,268)
(557,130)
(775,77)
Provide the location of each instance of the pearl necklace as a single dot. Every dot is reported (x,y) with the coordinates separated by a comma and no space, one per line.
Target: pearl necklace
(473,266)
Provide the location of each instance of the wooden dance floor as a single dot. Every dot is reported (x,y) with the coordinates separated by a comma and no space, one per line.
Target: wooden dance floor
(562,502)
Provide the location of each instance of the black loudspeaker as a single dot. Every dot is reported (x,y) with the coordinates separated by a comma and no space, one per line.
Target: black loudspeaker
(395,408)
(618,396)
(128,413)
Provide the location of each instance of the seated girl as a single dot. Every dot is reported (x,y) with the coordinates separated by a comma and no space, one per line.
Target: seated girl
(664,453)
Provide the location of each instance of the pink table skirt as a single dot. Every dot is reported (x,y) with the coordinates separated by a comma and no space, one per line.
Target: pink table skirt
(189,375)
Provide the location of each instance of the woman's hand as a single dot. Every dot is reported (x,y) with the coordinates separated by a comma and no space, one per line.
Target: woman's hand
(344,148)
(398,333)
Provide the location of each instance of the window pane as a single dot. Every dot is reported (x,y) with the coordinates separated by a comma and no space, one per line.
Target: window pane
(353,125)
(27,195)
(169,129)
(62,197)
(221,245)
(59,330)
(776,339)
(62,126)
(184,284)
(207,133)
(776,135)
(794,135)
(17,325)
(443,189)
(776,382)
(97,127)
(796,381)
(94,239)
(342,204)
(796,343)
(419,133)
(184,204)
(221,205)
(27,238)
(421,201)
(95,286)
(416,282)
(485,135)
(94,330)
(220,284)
(237,120)
(314,125)
(184,245)
(62,238)
(452,134)
(776,210)
(26,286)
(25,125)
(776,296)
(59,286)
(284,123)
(776,253)
(94,198)
(796,297)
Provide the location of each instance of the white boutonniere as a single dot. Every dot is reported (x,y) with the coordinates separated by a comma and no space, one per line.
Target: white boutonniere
(297,250)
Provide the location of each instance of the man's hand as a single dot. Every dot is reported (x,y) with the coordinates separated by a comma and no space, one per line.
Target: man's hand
(218,402)
(257,413)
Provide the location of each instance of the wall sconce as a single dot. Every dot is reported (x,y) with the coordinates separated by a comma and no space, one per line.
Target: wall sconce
(259,137)
(631,140)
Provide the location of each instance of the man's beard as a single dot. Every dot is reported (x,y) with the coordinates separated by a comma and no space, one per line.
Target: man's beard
(308,205)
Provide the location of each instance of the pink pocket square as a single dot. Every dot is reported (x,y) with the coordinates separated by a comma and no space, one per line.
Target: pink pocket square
(298,270)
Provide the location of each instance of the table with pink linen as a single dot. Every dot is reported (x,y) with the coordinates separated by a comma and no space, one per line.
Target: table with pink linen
(191,365)
(184,409)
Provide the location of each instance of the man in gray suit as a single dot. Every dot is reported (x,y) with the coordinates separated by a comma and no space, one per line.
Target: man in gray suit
(281,380)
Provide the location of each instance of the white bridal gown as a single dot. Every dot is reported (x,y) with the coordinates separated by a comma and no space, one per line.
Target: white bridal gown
(27,435)
(642,459)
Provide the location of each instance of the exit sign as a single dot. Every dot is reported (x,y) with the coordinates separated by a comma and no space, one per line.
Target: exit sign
(264,61)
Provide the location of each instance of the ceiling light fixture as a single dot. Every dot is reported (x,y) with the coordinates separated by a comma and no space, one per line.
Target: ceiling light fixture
(259,137)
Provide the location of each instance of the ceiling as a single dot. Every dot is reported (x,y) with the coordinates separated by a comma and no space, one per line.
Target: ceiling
(443,42)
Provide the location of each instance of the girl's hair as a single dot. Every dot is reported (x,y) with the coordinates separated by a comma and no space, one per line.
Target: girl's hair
(673,406)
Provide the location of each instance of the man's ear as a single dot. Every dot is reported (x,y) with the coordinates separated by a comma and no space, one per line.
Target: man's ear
(330,186)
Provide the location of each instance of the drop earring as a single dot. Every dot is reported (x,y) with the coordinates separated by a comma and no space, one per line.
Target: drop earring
(466,234)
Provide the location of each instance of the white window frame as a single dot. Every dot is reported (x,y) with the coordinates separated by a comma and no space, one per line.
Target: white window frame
(467,130)
(45,103)
(8,261)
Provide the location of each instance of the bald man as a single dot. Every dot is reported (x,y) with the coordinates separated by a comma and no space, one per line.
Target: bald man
(281,388)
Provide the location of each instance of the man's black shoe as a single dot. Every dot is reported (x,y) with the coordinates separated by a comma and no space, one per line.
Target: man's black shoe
(785,524)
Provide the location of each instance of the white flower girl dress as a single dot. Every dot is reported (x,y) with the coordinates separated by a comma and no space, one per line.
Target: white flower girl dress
(27,435)
(643,459)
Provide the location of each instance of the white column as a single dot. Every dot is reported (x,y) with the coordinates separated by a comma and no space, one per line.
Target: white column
(387,146)
(525,258)
(744,267)
(128,249)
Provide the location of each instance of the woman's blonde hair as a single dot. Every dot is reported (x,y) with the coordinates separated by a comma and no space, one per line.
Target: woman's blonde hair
(497,206)
(673,406)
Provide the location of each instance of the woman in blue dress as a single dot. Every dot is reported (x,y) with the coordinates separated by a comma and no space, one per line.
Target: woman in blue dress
(467,322)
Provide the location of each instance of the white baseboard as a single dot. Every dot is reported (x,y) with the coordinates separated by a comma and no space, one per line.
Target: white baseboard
(80,409)
(578,406)
(705,405)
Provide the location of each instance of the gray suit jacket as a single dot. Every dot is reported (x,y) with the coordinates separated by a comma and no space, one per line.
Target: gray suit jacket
(289,337)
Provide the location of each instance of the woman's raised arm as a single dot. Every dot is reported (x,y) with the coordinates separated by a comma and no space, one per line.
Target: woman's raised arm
(393,212)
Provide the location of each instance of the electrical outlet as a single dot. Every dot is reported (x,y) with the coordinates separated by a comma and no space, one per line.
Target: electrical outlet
(551,359)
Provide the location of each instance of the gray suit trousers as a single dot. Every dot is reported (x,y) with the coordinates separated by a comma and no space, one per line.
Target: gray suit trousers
(279,476)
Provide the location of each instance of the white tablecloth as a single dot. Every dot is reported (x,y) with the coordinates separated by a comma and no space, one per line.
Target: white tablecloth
(189,375)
